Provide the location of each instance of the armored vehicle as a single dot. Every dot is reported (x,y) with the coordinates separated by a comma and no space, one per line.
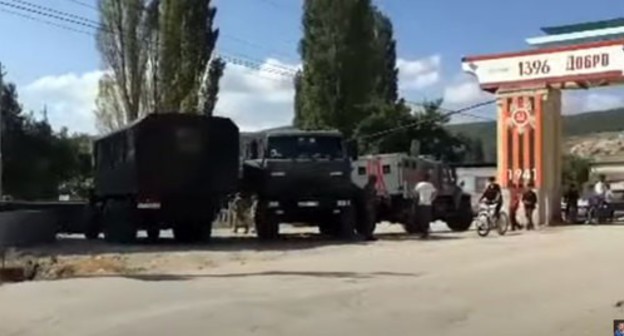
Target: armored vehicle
(302,177)
(397,175)
(164,171)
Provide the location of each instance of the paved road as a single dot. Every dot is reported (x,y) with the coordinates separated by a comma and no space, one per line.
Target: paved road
(558,281)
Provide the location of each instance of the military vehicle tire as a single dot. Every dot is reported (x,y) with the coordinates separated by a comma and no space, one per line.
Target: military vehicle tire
(93,222)
(120,222)
(326,228)
(192,231)
(461,222)
(153,234)
(267,226)
(346,224)
(412,223)
(366,221)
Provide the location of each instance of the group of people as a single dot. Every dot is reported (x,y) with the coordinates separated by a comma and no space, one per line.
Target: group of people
(599,194)
(520,195)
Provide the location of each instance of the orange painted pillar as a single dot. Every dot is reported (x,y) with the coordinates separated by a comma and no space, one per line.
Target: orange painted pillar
(530,147)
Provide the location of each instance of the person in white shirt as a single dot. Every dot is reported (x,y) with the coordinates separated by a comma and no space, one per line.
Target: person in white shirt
(600,188)
(424,194)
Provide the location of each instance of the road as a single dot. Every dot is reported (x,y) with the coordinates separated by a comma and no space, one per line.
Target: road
(563,281)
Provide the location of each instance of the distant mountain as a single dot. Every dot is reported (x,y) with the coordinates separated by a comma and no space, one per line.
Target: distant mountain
(581,125)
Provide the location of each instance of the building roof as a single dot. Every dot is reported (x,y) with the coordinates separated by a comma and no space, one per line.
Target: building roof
(584,26)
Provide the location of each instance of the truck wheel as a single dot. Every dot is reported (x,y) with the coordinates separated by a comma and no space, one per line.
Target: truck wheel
(120,222)
(153,234)
(366,221)
(192,231)
(267,226)
(93,222)
(461,222)
(412,223)
(327,229)
(347,223)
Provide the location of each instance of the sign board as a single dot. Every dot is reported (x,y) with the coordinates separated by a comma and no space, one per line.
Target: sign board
(572,63)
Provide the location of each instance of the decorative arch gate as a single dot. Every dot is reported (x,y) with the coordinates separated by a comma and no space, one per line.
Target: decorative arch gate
(528,87)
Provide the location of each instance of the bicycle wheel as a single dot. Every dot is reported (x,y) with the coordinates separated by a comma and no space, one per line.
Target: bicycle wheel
(502,224)
(482,224)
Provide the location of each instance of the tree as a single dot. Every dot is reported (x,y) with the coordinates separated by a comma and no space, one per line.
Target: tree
(210,89)
(297,121)
(575,170)
(187,43)
(337,50)
(158,53)
(123,43)
(109,113)
(391,129)
(387,80)
(36,159)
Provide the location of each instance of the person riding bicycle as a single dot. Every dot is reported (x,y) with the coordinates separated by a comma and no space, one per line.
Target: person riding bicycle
(493,195)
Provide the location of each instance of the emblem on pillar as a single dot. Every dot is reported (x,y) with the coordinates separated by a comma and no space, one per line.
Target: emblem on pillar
(521,115)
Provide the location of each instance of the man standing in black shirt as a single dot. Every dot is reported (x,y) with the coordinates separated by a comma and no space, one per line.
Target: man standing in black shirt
(493,196)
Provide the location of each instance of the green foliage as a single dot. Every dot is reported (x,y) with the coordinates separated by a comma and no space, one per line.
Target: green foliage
(187,41)
(36,160)
(385,62)
(426,126)
(576,170)
(210,89)
(350,82)
(338,53)
(158,53)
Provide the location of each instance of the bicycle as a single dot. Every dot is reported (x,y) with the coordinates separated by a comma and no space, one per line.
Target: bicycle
(484,221)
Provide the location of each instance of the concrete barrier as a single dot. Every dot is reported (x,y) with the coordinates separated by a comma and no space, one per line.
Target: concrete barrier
(27,227)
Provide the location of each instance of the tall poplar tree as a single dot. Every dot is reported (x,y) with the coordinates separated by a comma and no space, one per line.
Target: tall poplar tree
(338,54)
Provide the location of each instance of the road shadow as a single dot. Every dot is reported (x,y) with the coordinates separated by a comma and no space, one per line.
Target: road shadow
(223,241)
(314,274)
(76,245)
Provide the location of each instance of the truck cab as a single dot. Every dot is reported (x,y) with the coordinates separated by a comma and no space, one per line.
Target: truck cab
(301,177)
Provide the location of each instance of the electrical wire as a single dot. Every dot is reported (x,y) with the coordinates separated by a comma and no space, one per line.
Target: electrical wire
(284,71)
(58,12)
(83,4)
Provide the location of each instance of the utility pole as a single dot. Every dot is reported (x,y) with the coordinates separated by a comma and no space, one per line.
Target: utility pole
(1,123)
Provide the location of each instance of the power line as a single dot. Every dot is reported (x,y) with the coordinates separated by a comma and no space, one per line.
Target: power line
(85,22)
(241,61)
(83,4)
(54,16)
(26,16)
(420,122)
(54,11)
(232,59)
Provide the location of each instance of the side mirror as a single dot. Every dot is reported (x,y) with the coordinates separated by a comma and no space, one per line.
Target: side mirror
(352,150)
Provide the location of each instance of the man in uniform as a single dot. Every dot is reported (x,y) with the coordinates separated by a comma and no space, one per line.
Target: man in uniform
(242,209)
(370,204)
(529,200)
(493,196)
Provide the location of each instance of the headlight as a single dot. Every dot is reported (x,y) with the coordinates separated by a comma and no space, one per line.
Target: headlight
(278,173)
(273,204)
(336,173)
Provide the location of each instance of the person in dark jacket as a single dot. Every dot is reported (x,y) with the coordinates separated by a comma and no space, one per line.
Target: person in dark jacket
(493,195)
(529,200)
(571,197)
(370,203)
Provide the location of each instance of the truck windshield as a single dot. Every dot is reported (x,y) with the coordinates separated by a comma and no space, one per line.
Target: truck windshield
(298,147)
